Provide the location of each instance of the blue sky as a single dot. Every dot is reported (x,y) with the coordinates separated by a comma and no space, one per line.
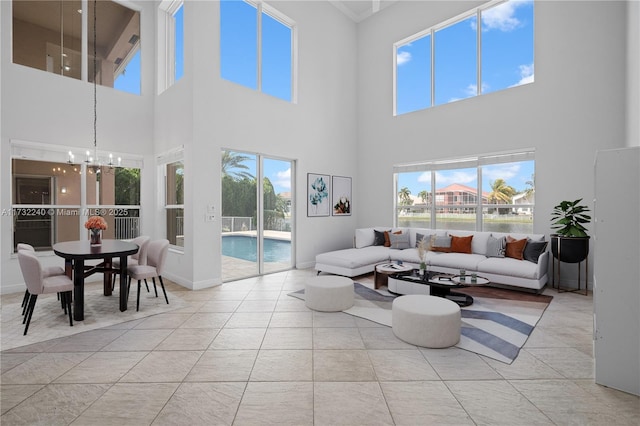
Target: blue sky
(278,171)
(129,80)
(506,58)
(239,49)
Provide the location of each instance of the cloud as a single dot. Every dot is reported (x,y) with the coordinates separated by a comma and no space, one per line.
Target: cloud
(455,177)
(501,17)
(425,177)
(403,57)
(526,75)
(472,89)
(501,171)
(283,179)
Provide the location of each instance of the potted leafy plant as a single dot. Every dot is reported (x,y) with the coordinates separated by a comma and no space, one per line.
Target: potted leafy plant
(570,243)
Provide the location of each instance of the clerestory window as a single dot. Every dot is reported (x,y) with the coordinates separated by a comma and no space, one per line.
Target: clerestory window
(171,43)
(257,48)
(458,59)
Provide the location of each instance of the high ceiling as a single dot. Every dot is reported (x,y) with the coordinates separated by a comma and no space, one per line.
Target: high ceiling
(359,10)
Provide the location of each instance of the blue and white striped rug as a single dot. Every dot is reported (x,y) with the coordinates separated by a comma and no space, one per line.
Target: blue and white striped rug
(496,325)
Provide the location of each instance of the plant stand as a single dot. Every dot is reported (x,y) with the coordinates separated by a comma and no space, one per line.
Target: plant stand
(573,290)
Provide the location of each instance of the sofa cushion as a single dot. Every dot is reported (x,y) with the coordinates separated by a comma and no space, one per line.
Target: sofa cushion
(364,237)
(461,244)
(496,247)
(509,267)
(409,255)
(458,260)
(354,258)
(515,248)
(399,241)
(533,250)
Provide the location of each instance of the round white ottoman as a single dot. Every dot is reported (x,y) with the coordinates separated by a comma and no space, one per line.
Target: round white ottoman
(429,321)
(329,293)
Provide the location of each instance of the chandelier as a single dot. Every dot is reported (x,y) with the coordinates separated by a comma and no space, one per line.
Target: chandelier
(93,162)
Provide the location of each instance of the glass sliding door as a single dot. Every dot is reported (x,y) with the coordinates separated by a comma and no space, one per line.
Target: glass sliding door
(276,215)
(256,215)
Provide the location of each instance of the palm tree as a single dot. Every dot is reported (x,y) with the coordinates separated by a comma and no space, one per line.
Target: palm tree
(232,165)
(501,193)
(405,197)
(423,195)
(531,187)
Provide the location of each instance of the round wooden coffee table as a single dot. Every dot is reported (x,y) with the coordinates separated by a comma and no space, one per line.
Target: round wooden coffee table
(382,271)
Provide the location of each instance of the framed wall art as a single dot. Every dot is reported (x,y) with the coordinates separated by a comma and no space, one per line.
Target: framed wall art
(341,196)
(318,202)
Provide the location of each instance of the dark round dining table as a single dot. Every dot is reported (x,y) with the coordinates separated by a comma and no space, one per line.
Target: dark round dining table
(76,252)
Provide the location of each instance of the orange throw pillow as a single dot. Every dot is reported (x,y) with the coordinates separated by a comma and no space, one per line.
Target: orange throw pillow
(461,244)
(387,241)
(515,248)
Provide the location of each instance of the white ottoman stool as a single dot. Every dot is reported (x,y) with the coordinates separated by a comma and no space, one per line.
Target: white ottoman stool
(429,321)
(329,293)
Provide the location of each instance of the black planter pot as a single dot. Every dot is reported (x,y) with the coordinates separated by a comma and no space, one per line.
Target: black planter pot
(569,249)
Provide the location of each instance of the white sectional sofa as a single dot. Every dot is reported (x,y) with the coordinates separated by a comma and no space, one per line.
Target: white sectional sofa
(509,271)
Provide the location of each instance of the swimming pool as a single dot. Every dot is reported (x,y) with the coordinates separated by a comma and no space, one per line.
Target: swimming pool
(244,247)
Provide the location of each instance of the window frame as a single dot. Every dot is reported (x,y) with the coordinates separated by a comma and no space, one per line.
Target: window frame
(477,162)
(273,13)
(167,43)
(163,161)
(50,153)
(431,32)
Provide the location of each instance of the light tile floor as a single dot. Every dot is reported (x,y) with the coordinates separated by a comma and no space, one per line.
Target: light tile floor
(245,353)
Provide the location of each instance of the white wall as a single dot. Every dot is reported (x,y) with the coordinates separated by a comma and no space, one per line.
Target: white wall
(342,123)
(50,109)
(633,73)
(319,132)
(575,107)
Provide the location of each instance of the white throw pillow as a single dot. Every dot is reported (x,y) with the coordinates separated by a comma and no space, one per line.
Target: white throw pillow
(399,241)
(364,237)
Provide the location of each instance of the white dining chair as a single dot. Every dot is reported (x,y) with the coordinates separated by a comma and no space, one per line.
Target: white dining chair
(47,271)
(37,284)
(156,256)
(139,258)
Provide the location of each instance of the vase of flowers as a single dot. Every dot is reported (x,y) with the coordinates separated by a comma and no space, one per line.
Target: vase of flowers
(422,253)
(95,225)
